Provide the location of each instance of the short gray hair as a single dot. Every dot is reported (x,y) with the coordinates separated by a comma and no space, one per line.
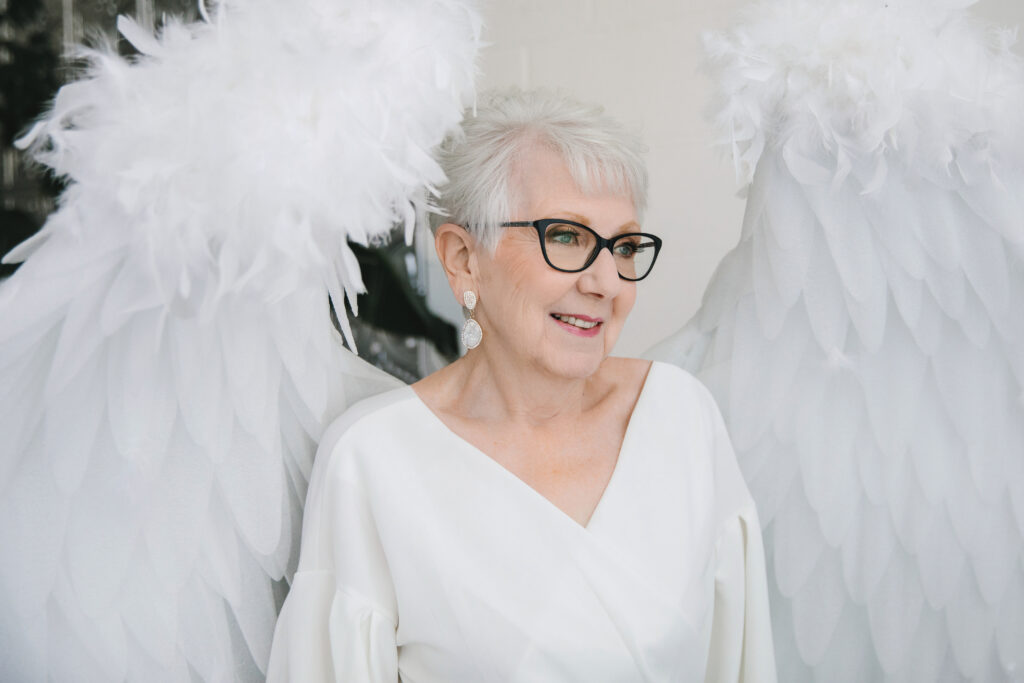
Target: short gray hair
(480,160)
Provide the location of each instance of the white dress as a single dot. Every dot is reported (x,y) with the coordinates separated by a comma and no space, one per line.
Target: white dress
(424,560)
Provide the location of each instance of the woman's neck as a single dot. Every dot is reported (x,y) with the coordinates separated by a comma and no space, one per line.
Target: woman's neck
(495,389)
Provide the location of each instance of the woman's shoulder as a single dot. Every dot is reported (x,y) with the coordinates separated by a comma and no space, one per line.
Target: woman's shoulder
(369,417)
(655,377)
(681,380)
(372,438)
(671,393)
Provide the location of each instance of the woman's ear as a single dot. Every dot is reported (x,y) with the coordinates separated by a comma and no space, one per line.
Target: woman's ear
(455,249)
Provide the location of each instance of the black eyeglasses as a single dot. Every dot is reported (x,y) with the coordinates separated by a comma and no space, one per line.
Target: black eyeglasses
(571,247)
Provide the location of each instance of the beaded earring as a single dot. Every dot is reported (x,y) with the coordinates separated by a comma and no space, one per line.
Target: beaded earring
(471,332)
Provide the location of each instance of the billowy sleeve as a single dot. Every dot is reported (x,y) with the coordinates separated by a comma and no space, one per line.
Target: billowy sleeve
(741,648)
(338,622)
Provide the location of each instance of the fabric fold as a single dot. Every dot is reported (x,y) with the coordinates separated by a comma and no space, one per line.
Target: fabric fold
(329,634)
(741,647)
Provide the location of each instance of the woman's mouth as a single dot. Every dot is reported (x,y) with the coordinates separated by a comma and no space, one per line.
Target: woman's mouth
(581,325)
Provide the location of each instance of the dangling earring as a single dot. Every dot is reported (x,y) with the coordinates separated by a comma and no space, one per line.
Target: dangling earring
(471,332)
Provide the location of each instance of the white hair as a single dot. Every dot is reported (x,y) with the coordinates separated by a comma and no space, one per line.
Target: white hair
(482,158)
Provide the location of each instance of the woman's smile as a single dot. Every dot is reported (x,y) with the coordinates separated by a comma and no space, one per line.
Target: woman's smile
(578,324)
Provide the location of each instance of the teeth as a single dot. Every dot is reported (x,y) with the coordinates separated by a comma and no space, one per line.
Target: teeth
(576,322)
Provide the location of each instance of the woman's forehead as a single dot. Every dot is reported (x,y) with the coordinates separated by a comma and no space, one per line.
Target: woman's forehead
(543,183)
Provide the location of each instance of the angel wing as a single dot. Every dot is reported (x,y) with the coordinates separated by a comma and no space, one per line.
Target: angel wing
(167,360)
(865,338)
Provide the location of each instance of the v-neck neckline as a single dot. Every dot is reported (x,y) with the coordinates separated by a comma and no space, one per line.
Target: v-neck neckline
(504,471)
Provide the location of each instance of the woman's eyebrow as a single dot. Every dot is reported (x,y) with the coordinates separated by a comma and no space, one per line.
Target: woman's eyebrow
(630,226)
(572,216)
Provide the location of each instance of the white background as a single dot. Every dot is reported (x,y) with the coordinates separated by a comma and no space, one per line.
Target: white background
(640,59)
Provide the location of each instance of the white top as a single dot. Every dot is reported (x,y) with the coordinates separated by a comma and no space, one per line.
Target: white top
(424,560)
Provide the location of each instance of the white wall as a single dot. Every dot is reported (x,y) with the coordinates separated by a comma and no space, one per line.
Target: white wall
(640,60)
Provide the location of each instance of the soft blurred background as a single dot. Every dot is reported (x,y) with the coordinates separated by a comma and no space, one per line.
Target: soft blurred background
(640,59)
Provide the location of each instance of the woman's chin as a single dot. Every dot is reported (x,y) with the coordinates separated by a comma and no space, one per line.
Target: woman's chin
(575,365)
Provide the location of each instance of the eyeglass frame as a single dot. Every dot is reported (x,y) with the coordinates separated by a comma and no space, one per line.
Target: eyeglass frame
(541,227)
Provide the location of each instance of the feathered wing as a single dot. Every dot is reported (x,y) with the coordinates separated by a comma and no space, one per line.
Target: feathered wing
(167,360)
(865,338)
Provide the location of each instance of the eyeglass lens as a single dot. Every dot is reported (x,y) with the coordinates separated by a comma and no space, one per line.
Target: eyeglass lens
(570,247)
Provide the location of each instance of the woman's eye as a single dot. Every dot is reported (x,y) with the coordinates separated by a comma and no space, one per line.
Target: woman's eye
(566,236)
(626,249)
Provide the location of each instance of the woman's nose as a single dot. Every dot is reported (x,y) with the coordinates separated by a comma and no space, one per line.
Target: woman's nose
(602,276)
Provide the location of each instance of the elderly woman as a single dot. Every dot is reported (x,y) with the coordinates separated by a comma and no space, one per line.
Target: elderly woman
(538,510)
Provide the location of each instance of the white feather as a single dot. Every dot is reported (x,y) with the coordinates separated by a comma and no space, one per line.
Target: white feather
(826,306)
(866,552)
(1010,624)
(940,562)
(167,361)
(890,132)
(797,542)
(817,608)
(896,614)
